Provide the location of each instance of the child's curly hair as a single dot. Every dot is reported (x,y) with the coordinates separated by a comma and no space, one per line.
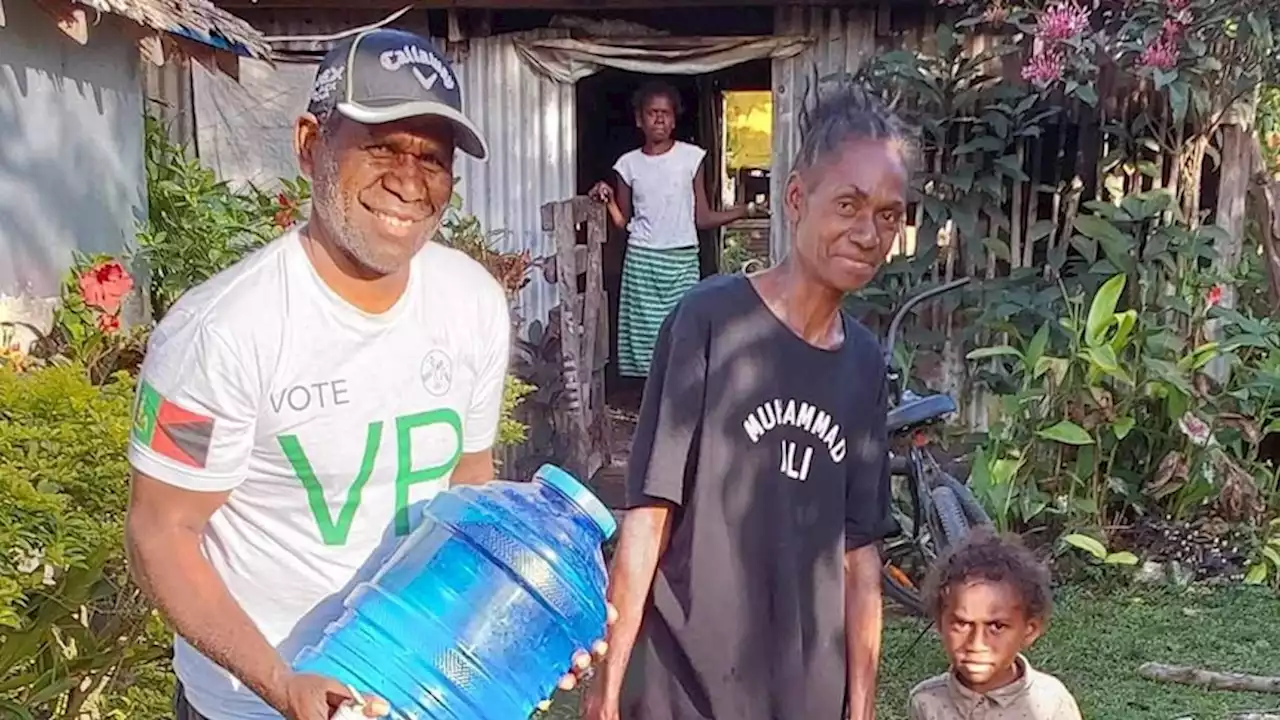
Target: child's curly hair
(989,557)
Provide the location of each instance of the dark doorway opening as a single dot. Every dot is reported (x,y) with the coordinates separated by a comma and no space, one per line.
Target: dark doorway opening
(606,130)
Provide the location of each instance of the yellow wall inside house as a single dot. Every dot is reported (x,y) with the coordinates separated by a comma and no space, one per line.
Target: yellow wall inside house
(748,120)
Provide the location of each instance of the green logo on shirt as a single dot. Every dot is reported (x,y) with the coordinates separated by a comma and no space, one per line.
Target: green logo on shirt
(334,531)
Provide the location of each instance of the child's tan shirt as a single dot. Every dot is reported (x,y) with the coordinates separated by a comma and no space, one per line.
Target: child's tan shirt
(1034,696)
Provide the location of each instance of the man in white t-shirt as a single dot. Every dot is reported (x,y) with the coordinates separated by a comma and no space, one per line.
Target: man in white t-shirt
(294,409)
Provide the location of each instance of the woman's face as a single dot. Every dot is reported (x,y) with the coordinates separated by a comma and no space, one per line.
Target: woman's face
(657,119)
(846,211)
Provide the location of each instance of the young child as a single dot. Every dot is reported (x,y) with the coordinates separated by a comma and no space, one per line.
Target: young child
(660,198)
(991,600)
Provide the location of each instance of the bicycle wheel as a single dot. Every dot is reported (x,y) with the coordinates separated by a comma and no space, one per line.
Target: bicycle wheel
(974,513)
(898,588)
(951,516)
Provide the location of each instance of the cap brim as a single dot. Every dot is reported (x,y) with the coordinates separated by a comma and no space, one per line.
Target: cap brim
(468,138)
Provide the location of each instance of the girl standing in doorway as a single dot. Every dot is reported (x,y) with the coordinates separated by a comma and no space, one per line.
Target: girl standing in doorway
(660,198)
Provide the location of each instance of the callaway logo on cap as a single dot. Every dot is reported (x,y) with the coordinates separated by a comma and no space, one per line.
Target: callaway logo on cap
(383,75)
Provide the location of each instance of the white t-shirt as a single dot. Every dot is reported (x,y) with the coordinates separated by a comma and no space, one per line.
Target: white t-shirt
(326,423)
(662,200)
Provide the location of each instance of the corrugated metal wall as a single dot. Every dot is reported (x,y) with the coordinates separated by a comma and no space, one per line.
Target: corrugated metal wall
(530,124)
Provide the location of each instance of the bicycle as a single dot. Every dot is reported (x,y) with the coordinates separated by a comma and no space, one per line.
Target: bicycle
(940,510)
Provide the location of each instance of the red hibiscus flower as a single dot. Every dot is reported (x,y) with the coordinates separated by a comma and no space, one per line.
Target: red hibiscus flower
(105,285)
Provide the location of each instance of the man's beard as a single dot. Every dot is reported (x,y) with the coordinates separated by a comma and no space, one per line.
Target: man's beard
(331,207)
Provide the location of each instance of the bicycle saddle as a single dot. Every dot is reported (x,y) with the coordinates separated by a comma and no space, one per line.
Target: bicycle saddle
(918,410)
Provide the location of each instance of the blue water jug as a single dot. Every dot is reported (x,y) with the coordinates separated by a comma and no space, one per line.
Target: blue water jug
(478,613)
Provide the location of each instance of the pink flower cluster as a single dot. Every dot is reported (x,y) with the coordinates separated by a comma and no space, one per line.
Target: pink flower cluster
(1044,68)
(1163,53)
(1061,22)
(1160,55)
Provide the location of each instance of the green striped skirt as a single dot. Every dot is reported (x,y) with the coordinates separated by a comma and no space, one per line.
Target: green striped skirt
(653,281)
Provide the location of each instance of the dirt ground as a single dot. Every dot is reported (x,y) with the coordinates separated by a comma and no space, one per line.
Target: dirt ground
(608,481)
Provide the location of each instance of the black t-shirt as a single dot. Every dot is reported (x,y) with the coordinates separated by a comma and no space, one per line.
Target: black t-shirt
(775,454)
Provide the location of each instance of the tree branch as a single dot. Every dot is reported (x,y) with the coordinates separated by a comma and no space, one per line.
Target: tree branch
(1209,679)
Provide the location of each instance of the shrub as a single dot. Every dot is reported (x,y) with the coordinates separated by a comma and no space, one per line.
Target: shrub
(73,628)
(197,225)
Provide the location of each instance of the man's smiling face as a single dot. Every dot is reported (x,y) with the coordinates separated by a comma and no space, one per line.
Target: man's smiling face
(382,189)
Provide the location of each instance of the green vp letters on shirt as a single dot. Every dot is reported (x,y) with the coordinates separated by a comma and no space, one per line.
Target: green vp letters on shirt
(335,531)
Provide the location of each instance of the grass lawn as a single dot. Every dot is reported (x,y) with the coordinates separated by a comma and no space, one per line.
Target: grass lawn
(1096,643)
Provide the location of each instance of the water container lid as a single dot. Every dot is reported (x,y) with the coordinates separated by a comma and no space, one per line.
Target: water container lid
(580,495)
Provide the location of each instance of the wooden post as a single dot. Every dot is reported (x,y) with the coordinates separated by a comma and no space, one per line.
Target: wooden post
(1265,192)
(1233,189)
(583,332)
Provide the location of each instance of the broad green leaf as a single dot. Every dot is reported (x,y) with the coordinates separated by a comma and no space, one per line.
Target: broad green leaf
(1035,350)
(946,39)
(1122,426)
(1086,246)
(1270,553)
(1087,95)
(1098,228)
(1004,470)
(1013,167)
(1122,558)
(15,711)
(997,247)
(1040,230)
(1103,358)
(1067,433)
(996,351)
(1087,544)
(1055,366)
(1261,27)
(1125,323)
(1199,357)
(1178,98)
(1103,309)
(1257,574)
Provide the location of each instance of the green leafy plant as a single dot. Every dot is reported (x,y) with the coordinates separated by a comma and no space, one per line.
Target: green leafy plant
(87,324)
(73,630)
(197,225)
(510,430)
(1264,568)
(1106,398)
(737,256)
(1097,550)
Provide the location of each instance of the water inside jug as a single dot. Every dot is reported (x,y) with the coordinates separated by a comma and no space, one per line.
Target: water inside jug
(479,611)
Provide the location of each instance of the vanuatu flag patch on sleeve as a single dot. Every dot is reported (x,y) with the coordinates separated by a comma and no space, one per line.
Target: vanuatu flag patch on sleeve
(171,430)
